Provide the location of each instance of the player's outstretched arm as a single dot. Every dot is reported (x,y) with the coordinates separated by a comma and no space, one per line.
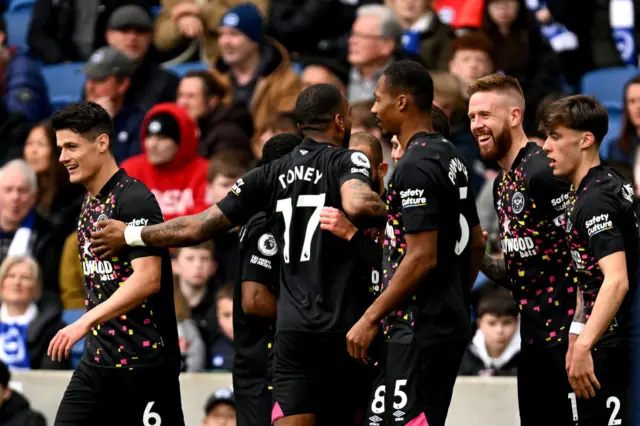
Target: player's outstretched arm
(258,300)
(421,257)
(179,232)
(144,282)
(495,268)
(362,204)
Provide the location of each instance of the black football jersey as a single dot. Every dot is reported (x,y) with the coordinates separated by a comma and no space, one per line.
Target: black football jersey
(531,202)
(321,277)
(147,335)
(429,191)
(601,221)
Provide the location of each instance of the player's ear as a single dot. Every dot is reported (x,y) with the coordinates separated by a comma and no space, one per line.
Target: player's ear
(401,101)
(339,122)
(588,140)
(103,143)
(383,168)
(515,116)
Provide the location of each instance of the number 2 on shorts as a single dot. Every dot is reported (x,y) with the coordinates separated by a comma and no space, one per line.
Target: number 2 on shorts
(377,405)
(149,418)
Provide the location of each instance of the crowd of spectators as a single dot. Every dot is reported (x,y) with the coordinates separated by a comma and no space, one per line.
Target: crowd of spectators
(188,137)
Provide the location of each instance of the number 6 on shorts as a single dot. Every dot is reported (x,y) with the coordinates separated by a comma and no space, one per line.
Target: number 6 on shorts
(149,418)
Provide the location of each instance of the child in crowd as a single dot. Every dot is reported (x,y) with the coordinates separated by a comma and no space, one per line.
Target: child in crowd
(195,270)
(220,409)
(495,347)
(222,351)
(192,349)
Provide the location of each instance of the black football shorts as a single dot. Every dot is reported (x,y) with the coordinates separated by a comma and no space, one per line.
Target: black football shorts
(147,396)
(314,374)
(415,382)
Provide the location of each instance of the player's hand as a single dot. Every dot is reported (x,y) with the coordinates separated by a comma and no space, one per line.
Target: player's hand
(334,221)
(359,338)
(568,358)
(109,239)
(581,373)
(61,344)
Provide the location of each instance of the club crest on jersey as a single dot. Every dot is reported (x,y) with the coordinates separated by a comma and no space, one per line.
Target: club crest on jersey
(267,245)
(627,192)
(360,160)
(100,218)
(517,203)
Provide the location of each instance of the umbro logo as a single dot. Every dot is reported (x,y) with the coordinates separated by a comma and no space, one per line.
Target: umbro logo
(398,413)
(303,151)
(375,419)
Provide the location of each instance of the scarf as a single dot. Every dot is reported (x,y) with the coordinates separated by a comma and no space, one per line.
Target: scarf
(13,337)
(621,15)
(20,243)
(558,36)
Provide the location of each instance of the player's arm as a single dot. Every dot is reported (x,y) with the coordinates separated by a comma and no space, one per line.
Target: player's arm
(260,274)
(608,248)
(334,221)
(142,284)
(362,204)
(247,197)
(494,267)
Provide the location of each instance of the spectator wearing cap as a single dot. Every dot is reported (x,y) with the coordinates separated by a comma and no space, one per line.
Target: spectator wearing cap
(193,24)
(256,68)
(71,30)
(221,126)
(169,165)
(220,409)
(22,86)
(109,74)
(424,32)
(129,31)
(14,407)
(324,70)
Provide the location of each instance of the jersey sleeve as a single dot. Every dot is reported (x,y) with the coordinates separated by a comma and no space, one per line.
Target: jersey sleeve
(252,193)
(139,206)
(600,219)
(418,184)
(261,262)
(550,193)
(353,164)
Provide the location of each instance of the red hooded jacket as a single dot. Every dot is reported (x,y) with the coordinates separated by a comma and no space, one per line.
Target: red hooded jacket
(181,185)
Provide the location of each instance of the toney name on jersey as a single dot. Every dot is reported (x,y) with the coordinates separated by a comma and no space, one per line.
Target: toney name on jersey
(308,174)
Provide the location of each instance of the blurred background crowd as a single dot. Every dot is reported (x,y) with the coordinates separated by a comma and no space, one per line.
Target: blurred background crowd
(195,88)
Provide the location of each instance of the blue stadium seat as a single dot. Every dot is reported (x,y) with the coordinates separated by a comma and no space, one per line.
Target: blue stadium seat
(65,83)
(15,5)
(607,85)
(182,69)
(18,27)
(68,317)
(615,127)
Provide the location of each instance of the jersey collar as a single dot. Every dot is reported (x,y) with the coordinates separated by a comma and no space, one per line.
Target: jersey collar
(111,183)
(591,174)
(420,136)
(522,153)
(310,143)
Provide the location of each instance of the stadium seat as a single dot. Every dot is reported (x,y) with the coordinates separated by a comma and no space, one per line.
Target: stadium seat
(615,127)
(68,317)
(18,27)
(182,69)
(607,85)
(65,83)
(15,5)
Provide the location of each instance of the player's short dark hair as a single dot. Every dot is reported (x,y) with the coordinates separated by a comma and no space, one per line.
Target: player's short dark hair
(495,83)
(579,112)
(231,163)
(279,146)
(317,106)
(499,303)
(225,292)
(440,121)
(364,138)
(212,87)
(87,119)
(413,79)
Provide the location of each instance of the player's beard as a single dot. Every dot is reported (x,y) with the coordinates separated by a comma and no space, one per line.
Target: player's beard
(498,148)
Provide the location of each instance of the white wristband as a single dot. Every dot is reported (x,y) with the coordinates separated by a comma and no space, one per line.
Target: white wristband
(576,328)
(133,236)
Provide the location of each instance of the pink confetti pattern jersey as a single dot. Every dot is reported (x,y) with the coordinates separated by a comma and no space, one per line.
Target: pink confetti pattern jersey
(530,203)
(148,333)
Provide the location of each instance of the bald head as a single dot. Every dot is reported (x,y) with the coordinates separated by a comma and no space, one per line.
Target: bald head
(368,144)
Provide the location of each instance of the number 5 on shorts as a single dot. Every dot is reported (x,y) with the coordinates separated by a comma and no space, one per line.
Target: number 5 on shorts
(149,418)
(377,405)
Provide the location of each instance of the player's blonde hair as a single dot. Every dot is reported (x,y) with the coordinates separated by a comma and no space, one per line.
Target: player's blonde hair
(500,83)
(11,261)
